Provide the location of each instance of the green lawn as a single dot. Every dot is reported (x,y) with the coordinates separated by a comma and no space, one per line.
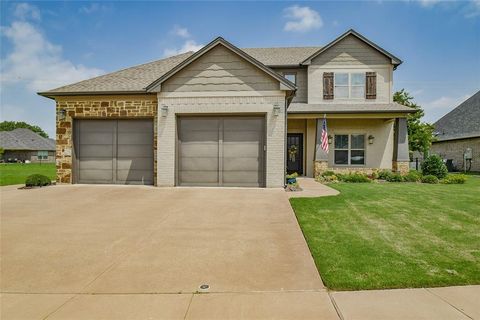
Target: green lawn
(394,235)
(15,173)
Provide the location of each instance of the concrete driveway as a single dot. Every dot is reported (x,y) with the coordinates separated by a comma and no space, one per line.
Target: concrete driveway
(134,252)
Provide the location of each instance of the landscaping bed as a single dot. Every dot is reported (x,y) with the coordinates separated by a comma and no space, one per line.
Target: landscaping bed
(394,235)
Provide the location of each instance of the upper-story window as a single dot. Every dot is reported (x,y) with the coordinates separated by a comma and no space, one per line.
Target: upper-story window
(290,76)
(349,85)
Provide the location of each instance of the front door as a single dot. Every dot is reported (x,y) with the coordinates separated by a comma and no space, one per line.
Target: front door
(295,153)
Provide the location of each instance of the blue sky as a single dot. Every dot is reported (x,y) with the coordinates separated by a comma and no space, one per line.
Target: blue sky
(48,44)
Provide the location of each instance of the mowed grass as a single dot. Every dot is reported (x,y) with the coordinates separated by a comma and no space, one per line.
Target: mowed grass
(394,235)
(16,173)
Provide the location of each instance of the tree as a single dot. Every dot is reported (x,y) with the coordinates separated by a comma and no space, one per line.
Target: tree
(12,125)
(420,134)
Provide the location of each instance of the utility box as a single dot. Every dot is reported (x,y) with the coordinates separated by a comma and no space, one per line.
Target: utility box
(468,154)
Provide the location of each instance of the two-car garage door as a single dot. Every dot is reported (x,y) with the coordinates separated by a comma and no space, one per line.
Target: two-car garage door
(113,151)
(221,151)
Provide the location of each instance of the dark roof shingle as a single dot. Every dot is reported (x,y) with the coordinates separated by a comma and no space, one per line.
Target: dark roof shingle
(25,139)
(461,122)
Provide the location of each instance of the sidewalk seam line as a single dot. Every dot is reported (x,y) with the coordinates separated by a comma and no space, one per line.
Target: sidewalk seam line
(188,307)
(335,306)
(446,301)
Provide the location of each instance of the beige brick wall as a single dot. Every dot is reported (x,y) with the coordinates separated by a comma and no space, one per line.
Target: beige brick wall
(222,105)
(454,149)
(97,107)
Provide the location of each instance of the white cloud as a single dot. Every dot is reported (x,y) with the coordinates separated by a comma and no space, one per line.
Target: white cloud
(24,11)
(437,108)
(37,63)
(473,9)
(94,7)
(189,45)
(302,19)
(181,32)
(428,3)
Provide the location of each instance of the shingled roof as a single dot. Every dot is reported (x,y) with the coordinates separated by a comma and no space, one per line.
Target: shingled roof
(462,122)
(349,108)
(136,79)
(25,139)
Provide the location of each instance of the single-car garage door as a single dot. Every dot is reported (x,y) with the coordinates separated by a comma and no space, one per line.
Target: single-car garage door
(221,151)
(114,151)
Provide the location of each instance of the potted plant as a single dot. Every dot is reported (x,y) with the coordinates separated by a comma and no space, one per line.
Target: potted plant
(292,178)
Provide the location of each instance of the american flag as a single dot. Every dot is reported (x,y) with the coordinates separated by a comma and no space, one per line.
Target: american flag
(324,135)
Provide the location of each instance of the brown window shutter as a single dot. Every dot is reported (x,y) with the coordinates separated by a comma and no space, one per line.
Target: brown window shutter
(328,85)
(371,85)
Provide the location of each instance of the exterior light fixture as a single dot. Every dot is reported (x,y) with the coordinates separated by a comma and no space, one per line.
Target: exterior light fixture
(370,139)
(61,114)
(276,110)
(164,111)
(330,139)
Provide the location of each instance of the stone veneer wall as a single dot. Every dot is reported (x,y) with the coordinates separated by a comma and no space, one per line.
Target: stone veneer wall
(401,167)
(98,107)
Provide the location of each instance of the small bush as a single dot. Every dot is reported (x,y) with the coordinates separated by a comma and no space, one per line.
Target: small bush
(413,176)
(292,175)
(354,178)
(434,165)
(384,174)
(430,179)
(455,179)
(327,179)
(328,173)
(373,175)
(37,180)
(394,177)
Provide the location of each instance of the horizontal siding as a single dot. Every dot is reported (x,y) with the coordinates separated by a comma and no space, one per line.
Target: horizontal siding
(302,83)
(351,51)
(220,70)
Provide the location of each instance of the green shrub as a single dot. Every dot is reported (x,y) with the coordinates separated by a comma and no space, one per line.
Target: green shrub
(430,179)
(328,173)
(373,175)
(384,174)
(455,179)
(327,179)
(354,177)
(413,176)
(37,180)
(394,177)
(292,175)
(434,165)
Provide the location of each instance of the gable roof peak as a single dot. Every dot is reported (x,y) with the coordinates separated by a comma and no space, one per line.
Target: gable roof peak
(394,60)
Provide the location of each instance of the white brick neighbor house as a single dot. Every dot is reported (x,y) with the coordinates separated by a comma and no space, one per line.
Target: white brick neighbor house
(225,116)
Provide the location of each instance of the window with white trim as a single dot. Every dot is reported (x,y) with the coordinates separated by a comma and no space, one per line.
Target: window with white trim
(349,85)
(349,149)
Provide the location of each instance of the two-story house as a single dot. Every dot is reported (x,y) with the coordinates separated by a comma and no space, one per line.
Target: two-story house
(225,116)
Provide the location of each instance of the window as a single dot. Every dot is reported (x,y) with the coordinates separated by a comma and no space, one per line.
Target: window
(292,77)
(42,155)
(349,149)
(349,85)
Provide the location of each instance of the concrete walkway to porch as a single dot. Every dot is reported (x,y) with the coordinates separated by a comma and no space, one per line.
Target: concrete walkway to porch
(312,189)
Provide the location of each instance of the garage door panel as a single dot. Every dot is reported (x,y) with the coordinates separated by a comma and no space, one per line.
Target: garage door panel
(239,164)
(96,150)
(97,164)
(114,151)
(198,177)
(135,164)
(198,163)
(224,151)
(245,177)
(132,176)
(135,138)
(102,176)
(198,150)
(134,150)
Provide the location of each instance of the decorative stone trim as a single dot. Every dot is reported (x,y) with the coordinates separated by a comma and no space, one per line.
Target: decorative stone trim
(98,107)
(402,167)
(319,167)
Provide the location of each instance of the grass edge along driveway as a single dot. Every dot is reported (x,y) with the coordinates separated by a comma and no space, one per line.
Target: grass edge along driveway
(394,235)
(16,173)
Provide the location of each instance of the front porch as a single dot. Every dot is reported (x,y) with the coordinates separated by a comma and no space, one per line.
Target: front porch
(357,142)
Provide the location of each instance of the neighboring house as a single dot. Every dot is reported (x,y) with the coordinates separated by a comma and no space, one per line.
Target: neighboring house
(225,116)
(457,131)
(24,144)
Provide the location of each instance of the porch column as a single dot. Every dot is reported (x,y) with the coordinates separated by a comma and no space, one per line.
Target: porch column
(321,157)
(401,157)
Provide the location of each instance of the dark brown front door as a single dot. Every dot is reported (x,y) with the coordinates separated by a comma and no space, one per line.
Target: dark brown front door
(295,153)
